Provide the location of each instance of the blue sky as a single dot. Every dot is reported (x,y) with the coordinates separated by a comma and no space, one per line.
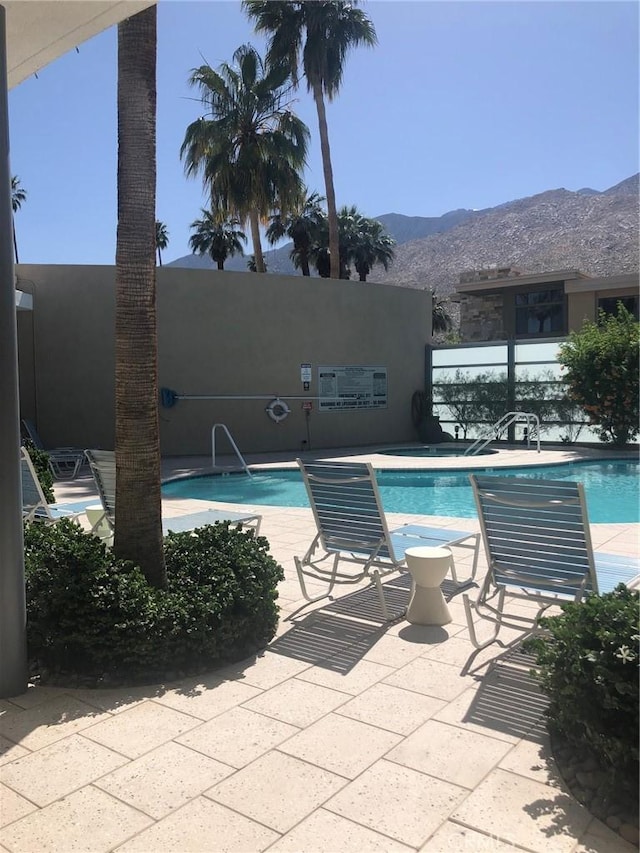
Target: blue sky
(462,104)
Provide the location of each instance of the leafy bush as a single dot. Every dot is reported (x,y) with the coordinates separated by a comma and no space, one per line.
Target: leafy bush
(40,459)
(91,615)
(603,373)
(589,669)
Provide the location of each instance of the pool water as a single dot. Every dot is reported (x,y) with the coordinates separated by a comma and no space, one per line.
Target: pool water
(612,489)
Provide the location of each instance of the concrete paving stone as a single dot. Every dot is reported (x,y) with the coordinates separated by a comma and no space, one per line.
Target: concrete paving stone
(391,708)
(449,753)
(164,779)
(46,722)
(141,729)
(533,758)
(13,806)
(431,678)
(325,832)
(87,821)
(268,669)
(453,838)
(116,699)
(277,790)
(524,812)
(461,712)
(60,768)
(238,736)
(353,679)
(207,700)
(397,801)
(9,751)
(202,826)
(392,651)
(297,702)
(455,651)
(341,745)
(36,695)
(7,707)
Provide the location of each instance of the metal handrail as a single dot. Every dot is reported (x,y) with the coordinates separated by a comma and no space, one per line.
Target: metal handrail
(233,444)
(499,426)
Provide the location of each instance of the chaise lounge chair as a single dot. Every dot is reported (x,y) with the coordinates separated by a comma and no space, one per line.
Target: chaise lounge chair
(538,545)
(351,526)
(103,468)
(65,462)
(34,503)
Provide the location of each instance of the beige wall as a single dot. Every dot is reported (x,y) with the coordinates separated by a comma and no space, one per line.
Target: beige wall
(223,333)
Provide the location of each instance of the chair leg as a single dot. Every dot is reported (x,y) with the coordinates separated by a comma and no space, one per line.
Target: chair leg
(301,578)
(470,607)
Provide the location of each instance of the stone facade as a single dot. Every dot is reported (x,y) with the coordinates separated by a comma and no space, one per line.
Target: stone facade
(481,317)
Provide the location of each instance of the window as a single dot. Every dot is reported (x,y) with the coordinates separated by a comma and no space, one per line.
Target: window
(610,304)
(540,312)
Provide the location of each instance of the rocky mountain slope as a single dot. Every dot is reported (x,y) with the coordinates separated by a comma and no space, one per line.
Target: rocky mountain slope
(596,232)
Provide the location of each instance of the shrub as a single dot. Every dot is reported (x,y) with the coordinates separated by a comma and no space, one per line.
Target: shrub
(603,374)
(40,459)
(92,615)
(589,669)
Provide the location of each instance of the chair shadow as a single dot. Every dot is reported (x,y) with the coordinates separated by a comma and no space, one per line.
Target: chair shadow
(509,699)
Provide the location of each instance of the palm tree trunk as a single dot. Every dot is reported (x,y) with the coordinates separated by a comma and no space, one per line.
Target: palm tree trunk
(159,257)
(15,242)
(332,213)
(138,533)
(257,245)
(304,263)
(220,265)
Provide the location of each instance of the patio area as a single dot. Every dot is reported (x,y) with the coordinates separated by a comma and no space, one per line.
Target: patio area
(345,734)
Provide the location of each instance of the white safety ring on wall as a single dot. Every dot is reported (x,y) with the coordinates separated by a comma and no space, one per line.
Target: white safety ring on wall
(277,410)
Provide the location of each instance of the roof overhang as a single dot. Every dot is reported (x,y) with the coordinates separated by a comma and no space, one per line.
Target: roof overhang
(497,284)
(39,31)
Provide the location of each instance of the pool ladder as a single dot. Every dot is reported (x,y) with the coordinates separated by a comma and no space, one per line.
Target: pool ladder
(233,445)
(495,431)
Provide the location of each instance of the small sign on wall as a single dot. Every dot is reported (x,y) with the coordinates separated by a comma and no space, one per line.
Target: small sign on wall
(341,388)
(305,376)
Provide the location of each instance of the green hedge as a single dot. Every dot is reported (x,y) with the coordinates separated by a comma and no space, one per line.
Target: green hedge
(588,666)
(92,616)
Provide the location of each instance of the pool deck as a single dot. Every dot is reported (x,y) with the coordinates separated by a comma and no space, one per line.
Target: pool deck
(345,735)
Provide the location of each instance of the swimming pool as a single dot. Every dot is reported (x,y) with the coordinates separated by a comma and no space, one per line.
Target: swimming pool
(612,489)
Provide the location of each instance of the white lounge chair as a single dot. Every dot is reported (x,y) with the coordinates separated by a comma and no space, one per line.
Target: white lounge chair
(351,526)
(103,468)
(34,503)
(65,462)
(538,545)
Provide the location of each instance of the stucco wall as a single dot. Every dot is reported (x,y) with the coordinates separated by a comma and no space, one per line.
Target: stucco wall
(225,333)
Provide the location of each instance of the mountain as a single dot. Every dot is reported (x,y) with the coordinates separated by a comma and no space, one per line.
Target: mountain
(596,232)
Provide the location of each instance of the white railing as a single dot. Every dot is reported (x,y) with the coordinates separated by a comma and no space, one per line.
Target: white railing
(495,431)
(231,442)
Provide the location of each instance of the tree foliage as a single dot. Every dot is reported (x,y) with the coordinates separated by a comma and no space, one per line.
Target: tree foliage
(162,239)
(362,243)
(301,224)
(314,39)
(250,147)
(217,236)
(601,369)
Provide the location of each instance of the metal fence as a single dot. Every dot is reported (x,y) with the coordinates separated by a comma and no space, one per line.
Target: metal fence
(471,386)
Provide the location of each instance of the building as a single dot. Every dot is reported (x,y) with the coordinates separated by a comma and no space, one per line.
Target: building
(500,303)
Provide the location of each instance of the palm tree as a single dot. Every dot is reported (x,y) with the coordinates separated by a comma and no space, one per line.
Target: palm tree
(366,242)
(251,148)
(216,237)
(316,36)
(138,535)
(18,195)
(162,238)
(301,225)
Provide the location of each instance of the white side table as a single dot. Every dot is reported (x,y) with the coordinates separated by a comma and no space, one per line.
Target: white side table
(428,567)
(99,524)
